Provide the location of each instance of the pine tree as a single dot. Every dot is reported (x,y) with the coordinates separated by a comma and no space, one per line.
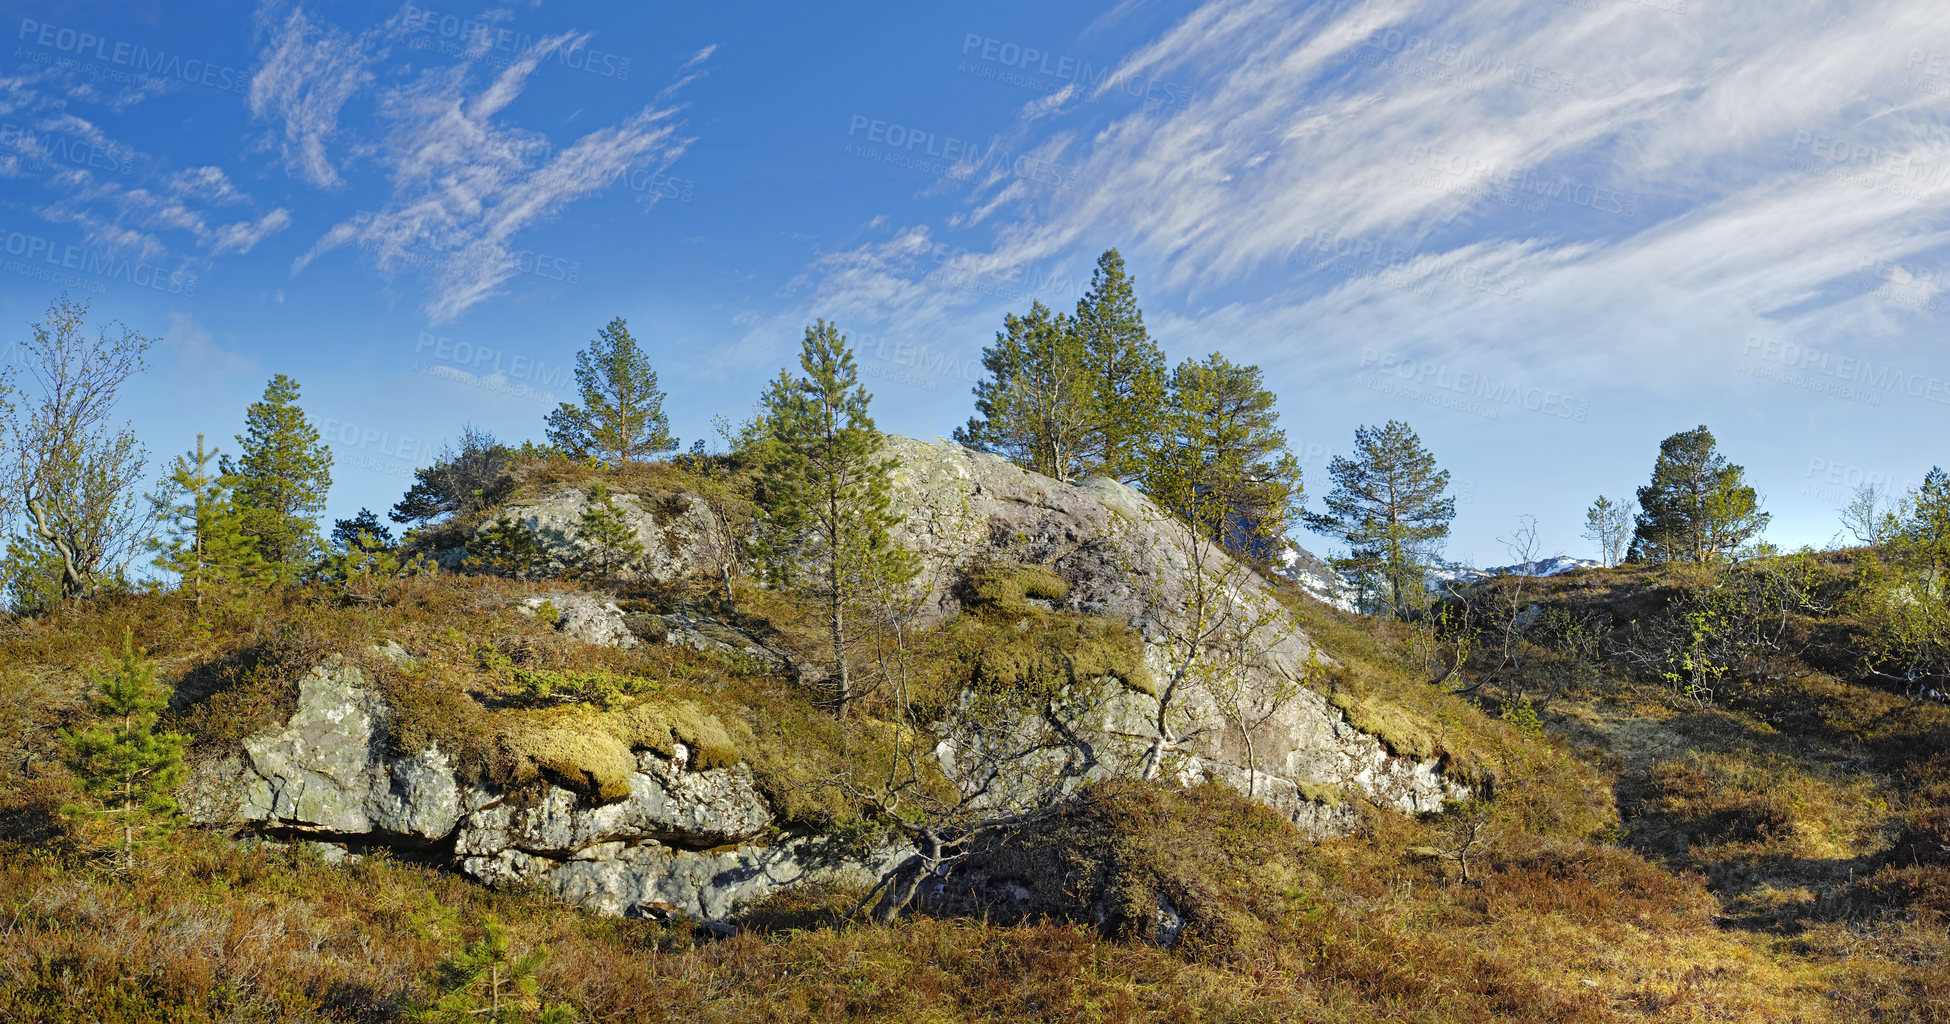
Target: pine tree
(610,542)
(827,490)
(126,769)
(1698,507)
(487,982)
(1125,369)
(460,482)
(1926,516)
(1608,524)
(621,418)
(508,547)
(1221,459)
(281,479)
(1034,408)
(206,544)
(362,533)
(1388,505)
(1071,396)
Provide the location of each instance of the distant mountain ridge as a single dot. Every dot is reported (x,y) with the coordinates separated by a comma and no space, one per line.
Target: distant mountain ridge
(1556,565)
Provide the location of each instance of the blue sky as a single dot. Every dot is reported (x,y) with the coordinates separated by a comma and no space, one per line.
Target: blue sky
(1546,233)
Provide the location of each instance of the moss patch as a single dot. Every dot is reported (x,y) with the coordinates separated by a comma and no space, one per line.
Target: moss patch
(1038,658)
(1007,588)
(1394,728)
(1006,644)
(1320,793)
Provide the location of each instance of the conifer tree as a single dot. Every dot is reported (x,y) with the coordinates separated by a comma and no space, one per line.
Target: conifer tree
(1698,507)
(1072,396)
(1221,459)
(621,418)
(508,547)
(610,542)
(1125,370)
(460,482)
(281,479)
(1388,505)
(362,533)
(486,981)
(205,542)
(1608,524)
(1034,409)
(826,490)
(126,769)
(1927,513)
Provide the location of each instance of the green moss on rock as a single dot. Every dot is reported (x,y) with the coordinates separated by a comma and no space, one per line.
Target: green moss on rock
(1389,724)
(1007,589)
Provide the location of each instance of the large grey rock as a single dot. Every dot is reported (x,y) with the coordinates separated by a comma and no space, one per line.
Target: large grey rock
(1125,559)
(327,770)
(681,840)
(590,618)
(666,804)
(325,775)
(702,633)
(632,878)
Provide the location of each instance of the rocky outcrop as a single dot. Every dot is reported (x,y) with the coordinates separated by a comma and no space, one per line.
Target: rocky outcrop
(1122,558)
(679,535)
(326,772)
(589,618)
(683,842)
(667,805)
(1125,559)
(1230,660)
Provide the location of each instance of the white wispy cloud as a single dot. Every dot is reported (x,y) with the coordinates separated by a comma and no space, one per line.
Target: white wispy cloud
(122,199)
(119,217)
(1365,168)
(463,181)
(208,183)
(307,74)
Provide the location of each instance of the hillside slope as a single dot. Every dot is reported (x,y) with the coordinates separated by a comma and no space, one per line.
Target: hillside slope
(646,748)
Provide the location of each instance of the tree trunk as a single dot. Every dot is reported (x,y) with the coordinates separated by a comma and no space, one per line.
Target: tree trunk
(72,582)
(1154,758)
(833,574)
(128,825)
(839,655)
(1252,759)
(908,879)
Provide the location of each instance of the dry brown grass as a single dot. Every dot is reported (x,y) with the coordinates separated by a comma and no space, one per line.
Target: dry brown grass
(1784,855)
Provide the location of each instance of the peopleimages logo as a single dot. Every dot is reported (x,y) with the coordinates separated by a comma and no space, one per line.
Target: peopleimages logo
(1491,392)
(343,434)
(1526,182)
(157,63)
(496,44)
(527,261)
(1869,377)
(1393,49)
(1846,474)
(39,148)
(43,259)
(484,360)
(942,156)
(1030,60)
